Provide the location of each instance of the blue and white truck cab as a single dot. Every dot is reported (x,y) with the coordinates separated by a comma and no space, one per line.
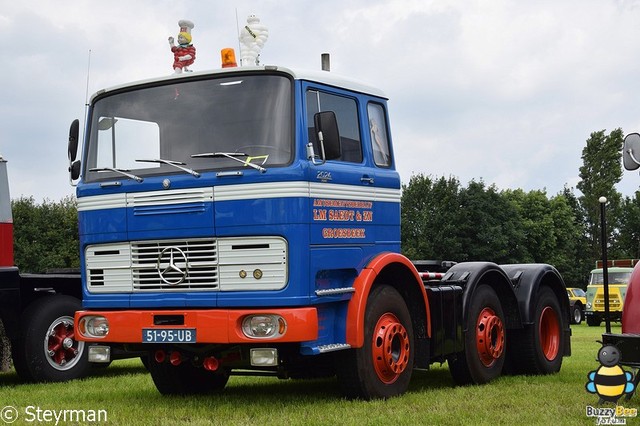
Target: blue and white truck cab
(248,219)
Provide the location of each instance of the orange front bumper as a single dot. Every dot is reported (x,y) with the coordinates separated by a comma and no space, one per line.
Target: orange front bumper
(211,325)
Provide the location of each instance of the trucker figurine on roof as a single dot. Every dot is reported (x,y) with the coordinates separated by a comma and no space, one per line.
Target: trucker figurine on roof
(185,53)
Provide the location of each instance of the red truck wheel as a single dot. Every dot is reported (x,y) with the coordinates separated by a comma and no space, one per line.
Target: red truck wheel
(47,350)
(382,367)
(539,348)
(485,340)
(390,348)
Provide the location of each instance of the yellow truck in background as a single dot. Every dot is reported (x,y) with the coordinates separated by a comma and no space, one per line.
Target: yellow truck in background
(619,272)
(577,302)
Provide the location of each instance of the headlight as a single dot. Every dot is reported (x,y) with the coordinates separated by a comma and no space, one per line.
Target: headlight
(93,326)
(264,326)
(589,305)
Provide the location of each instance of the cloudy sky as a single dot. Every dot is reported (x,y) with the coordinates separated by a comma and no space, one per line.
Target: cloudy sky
(505,91)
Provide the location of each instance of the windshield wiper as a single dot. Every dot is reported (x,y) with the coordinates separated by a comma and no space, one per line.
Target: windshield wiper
(232,155)
(120,171)
(176,164)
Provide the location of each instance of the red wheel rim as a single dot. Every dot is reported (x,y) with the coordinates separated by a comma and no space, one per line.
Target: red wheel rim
(489,337)
(549,331)
(60,345)
(390,348)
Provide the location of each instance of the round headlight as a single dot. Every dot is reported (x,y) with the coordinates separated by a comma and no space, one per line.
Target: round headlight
(264,326)
(94,326)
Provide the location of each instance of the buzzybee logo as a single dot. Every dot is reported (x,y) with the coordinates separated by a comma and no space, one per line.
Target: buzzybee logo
(609,381)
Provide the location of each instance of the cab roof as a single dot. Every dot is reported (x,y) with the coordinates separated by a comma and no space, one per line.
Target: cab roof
(322,77)
(612,269)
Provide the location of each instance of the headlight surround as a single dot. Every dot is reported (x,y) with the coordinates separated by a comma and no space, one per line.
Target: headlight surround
(264,326)
(94,326)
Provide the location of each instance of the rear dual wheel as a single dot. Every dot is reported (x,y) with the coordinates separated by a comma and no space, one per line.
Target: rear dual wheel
(538,349)
(485,340)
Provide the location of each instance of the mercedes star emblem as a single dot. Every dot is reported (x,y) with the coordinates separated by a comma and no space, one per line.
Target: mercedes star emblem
(176,270)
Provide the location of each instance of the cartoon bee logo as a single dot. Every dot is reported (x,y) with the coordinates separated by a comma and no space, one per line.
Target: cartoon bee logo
(610,381)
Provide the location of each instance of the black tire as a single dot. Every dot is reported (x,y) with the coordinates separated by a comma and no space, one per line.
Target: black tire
(185,379)
(484,340)
(46,350)
(538,349)
(593,321)
(576,314)
(382,367)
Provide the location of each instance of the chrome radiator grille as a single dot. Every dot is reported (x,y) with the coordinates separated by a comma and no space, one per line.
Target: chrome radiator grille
(205,264)
(196,259)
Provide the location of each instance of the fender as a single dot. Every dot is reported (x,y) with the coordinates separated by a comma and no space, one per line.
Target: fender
(472,274)
(379,265)
(527,279)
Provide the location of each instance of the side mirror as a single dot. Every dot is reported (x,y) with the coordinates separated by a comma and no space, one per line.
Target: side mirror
(74,130)
(326,127)
(72,151)
(74,170)
(631,151)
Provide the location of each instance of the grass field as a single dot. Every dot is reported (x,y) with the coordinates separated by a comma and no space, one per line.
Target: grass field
(127,395)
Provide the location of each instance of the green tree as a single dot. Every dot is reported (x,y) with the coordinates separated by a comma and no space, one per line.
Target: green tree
(442,220)
(430,217)
(536,224)
(45,235)
(491,227)
(570,253)
(600,172)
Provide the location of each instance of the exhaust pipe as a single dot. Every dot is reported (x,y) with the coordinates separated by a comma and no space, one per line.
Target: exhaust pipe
(6,220)
(325,60)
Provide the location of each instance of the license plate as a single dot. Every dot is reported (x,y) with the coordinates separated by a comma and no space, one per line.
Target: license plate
(168,335)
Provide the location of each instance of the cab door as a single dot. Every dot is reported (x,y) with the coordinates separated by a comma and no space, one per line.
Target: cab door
(342,190)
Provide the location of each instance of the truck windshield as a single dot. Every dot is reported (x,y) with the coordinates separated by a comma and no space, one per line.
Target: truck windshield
(248,114)
(614,277)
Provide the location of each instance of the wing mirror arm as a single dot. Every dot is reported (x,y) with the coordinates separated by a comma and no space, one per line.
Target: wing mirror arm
(633,158)
(311,155)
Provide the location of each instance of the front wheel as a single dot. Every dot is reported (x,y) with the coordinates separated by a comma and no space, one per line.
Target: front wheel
(382,367)
(185,379)
(576,314)
(484,339)
(47,350)
(593,321)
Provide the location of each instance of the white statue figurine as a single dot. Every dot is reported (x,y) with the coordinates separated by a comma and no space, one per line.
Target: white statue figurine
(252,39)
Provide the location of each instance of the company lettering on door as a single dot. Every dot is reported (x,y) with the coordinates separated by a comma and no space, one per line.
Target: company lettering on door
(342,211)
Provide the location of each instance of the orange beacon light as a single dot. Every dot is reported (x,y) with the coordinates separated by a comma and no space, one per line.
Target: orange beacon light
(228,58)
